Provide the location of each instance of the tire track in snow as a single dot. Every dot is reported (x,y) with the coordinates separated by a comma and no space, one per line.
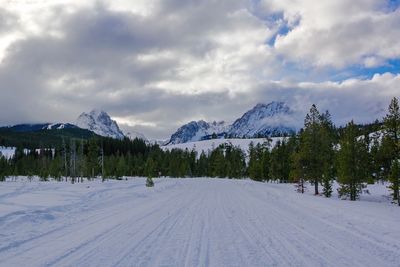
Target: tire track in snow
(335,244)
(111,214)
(201,222)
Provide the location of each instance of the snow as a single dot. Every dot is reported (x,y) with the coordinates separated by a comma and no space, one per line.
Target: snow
(7,152)
(191,222)
(209,145)
(197,130)
(273,119)
(101,123)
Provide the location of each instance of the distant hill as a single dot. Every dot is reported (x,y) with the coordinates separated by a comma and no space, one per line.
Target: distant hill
(21,136)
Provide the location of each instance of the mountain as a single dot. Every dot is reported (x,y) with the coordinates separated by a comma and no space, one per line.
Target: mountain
(100,123)
(159,142)
(198,130)
(133,135)
(273,119)
(25,128)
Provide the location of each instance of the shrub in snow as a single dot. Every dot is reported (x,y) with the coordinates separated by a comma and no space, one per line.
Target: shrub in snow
(149,182)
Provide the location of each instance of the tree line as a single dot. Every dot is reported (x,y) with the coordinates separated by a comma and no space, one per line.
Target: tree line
(319,153)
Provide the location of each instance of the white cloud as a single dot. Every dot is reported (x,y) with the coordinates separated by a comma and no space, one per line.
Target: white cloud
(336,33)
(157,64)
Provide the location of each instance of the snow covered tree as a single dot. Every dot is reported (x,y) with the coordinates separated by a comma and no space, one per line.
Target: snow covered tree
(352,161)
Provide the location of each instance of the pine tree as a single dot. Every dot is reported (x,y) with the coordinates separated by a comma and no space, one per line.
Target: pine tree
(64,155)
(150,170)
(72,161)
(92,163)
(121,167)
(3,168)
(102,163)
(314,145)
(392,135)
(280,162)
(202,165)
(217,161)
(310,147)
(394,179)
(296,173)
(255,162)
(327,153)
(352,163)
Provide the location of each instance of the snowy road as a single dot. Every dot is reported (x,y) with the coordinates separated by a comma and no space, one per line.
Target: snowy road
(190,222)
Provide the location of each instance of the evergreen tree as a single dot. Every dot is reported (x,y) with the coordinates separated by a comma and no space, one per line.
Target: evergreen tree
(72,161)
(92,159)
(297,174)
(352,163)
(121,168)
(394,179)
(392,136)
(280,162)
(313,146)
(150,168)
(55,167)
(217,162)
(3,168)
(202,165)
(150,171)
(327,153)
(255,162)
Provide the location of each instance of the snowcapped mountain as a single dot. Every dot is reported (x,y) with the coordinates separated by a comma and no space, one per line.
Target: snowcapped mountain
(99,122)
(273,119)
(198,130)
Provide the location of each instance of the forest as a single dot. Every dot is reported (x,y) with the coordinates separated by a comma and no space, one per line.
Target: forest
(320,153)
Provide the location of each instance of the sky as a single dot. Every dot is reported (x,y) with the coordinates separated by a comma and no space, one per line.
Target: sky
(154,65)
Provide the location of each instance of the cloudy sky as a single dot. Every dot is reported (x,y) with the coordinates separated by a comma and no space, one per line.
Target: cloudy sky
(156,64)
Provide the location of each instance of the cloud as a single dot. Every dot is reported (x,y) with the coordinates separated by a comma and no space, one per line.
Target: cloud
(336,33)
(155,65)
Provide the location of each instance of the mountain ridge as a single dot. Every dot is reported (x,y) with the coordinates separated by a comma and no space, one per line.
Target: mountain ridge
(263,120)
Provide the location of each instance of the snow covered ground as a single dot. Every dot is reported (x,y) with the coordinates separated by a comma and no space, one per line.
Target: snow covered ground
(192,222)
